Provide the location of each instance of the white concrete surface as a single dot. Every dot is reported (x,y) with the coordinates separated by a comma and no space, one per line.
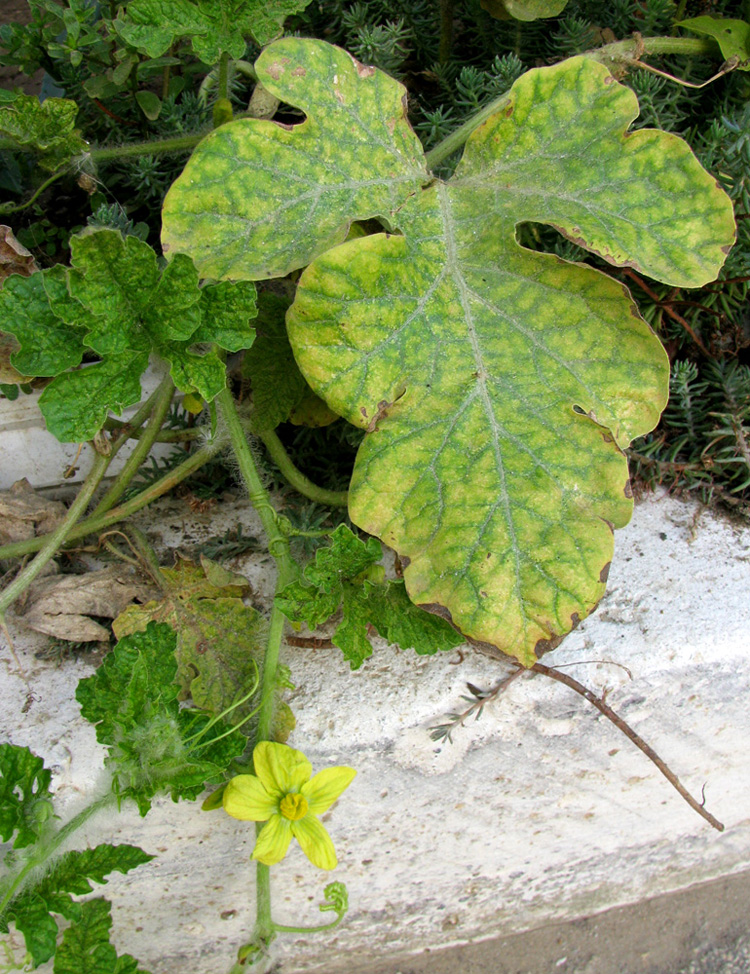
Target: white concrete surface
(29,451)
(539,811)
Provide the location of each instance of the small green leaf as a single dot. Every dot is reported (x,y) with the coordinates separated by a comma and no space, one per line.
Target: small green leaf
(277,383)
(732,36)
(150,104)
(154,745)
(213,27)
(228,309)
(347,574)
(46,127)
(25,798)
(296,190)
(85,947)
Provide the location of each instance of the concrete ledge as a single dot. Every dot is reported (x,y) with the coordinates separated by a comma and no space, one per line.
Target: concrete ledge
(539,813)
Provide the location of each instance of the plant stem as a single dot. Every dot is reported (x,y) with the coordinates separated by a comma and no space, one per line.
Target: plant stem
(295,478)
(17,207)
(446,31)
(181,143)
(163,436)
(54,540)
(45,849)
(621,53)
(161,404)
(92,524)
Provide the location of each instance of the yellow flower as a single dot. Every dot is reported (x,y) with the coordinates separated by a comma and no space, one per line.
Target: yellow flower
(282,794)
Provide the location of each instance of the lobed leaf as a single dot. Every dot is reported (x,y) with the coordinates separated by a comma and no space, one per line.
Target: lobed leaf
(85,947)
(213,27)
(498,386)
(32,910)
(47,128)
(258,199)
(346,574)
(25,798)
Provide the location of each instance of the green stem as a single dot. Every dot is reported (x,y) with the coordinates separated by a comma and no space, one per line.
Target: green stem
(621,53)
(17,207)
(296,479)
(91,525)
(181,143)
(321,928)
(163,436)
(161,404)
(54,540)
(44,850)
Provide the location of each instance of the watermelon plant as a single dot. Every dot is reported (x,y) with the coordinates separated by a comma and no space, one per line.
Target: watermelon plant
(492,390)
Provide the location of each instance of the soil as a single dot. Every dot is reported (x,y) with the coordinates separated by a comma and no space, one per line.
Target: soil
(17,11)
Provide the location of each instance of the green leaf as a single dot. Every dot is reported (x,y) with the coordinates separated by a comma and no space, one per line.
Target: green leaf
(150,104)
(85,947)
(220,640)
(732,36)
(49,346)
(212,26)
(295,191)
(524,9)
(347,574)
(32,911)
(132,700)
(228,309)
(76,404)
(48,127)
(25,798)
(277,383)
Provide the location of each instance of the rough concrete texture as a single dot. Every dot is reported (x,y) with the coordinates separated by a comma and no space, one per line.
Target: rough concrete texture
(538,813)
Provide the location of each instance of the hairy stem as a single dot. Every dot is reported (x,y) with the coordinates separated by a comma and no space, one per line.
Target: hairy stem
(43,850)
(54,540)
(295,478)
(161,404)
(631,735)
(17,207)
(92,524)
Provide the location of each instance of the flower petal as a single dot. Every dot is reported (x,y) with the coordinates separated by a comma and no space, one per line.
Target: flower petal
(246,798)
(315,841)
(280,767)
(323,790)
(273,841)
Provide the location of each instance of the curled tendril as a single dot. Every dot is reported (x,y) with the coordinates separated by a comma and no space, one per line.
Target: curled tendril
(336,898)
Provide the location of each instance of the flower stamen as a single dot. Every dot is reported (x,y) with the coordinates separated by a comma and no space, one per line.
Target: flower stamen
(293,807)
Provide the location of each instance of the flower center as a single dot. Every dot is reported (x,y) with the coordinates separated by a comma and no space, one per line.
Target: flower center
(293,807)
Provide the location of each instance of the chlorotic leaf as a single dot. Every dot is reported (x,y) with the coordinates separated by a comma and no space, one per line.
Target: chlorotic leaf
(295,190)
(499,386)
(347,574)
(732,36)
(85,947)
(47,127)
(524,9)
(213,27)
(25,798)
(220,640)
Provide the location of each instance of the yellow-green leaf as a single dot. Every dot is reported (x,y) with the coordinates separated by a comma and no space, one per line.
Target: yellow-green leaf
(294,191)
